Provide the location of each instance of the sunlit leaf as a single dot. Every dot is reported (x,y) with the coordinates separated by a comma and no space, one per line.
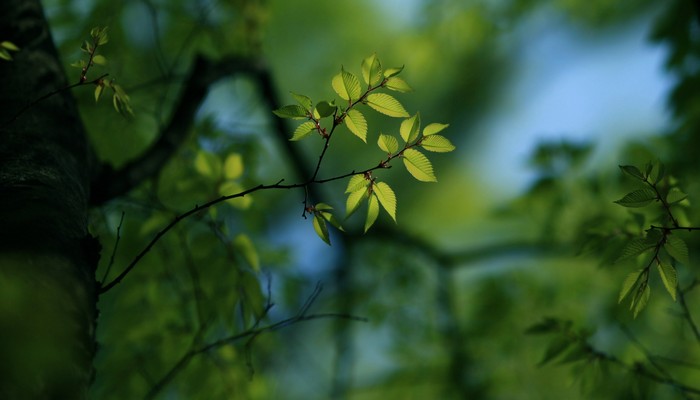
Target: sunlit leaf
(637,198)
(5,55)
(386,105)
(245,247)
(354,200)
(397,84)
(98,92)
(434,128)
(388,143)
(389,72)
(321,228)
(304,101)
(357,124)
(410,128)
(9,45)
(372,70)
(628,284)
(322,207)
(372,212)
(233,166)
(356,182)
(675,195)
(303,130)
(386,197)
(437,143)
(291,111)
(636,247)
(418,165)
(677,248)
(346,85)
(332,219)
(641,298)
(207,164)
(632,171)
(668,277)
(99,59)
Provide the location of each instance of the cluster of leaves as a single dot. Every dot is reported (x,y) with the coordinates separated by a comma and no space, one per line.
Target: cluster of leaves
(5,48)
(659,244)
(99,37)
(325,116)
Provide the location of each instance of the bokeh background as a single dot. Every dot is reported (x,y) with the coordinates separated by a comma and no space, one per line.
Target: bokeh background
(544,100)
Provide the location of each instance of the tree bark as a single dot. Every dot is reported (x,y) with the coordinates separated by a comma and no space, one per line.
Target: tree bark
(47,258)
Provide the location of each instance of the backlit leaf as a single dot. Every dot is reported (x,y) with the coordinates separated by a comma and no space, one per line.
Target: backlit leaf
(372,212)
(677,248)
(632,171)
(437,143)
(291,111)
(9,45)
(389,72)
(641,298)
(628,284)
(353,201)
(675,195)
(303,130)
(637,198)
(98,92)
(357,124)
(304,101)
(410,128)
(668,277)
(388,143)
(386,197)
(356,183)
(636,247)
(332,219)
(372,70)
(233,166)
(321,228)
(434,128)
(346,85)
(418,165)
(386,105)
(207,164)
(99,59)
(397,84)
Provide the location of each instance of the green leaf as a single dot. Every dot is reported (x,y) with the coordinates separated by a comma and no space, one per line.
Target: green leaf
(387,105)
(233,166)
(78,64)
(628,284)
(291,111)
(437,143)
(632,171)
(332,219)
(9,46)
(410,128)
(677,248)
(325,108)
(388,143)
(675,195)
(321,228)
(386,197)
(434,128)
(304,101)
(637,198)
(228,188)
(357,124)
(555,348)
(243,245)
(660,172)
(389,72)
(322,207)
(303,130)
(98,92)
(100,35)
(418,165)
(397,84)
(346,85)
(208,164)
(372,70)
(5,55)
(353,201)
(372,212)
(636,247)
(356,182)
(668,277)
(641,298)
(547,325)
(99,59)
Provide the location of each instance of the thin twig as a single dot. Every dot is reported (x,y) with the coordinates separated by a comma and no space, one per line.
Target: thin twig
(114,249)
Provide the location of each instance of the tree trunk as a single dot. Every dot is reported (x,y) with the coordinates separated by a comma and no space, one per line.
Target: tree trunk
(47,259)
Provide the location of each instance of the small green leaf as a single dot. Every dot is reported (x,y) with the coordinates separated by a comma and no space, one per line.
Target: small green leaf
(388,143)
(322,207)
(555,348)
(5,55)
(291,111)
(660,172)
(386,197)
(434,128)
(321,228)
(98,92)
(304,101)
(372,70)
(637,198)
(346,85)
(357,124)
(410,128)
(547,325)
(387,105)
(325,108)
(418,165)
(207,164)
(356,182)
(632,171)
(437,143)
(78,64)
(627,285)
(668,277)
(397,84)
(303,130)
(9,46)
(641,298)
(332,219)
(372,212)
(636,247)
(354,200)
(677,248)
(99,59)
(389,72)
(245,247)
(675,195)
(233,166)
